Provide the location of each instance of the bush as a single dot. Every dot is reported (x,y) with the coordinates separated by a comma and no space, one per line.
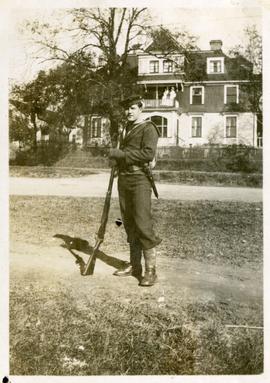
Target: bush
(233,164)
(239,159)
(230,158)
(98,151)
(46,154)
(190,177)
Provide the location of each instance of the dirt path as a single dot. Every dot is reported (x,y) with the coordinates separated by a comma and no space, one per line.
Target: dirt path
(179,280)
(95,186)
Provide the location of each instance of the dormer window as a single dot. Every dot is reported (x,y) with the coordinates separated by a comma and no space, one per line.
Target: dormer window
(215,65)
(154,66)
(179,62)
(167,66)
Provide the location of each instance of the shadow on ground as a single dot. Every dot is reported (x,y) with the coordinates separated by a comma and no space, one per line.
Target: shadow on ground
(75,243)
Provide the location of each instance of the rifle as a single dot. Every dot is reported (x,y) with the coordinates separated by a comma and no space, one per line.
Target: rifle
(90,266)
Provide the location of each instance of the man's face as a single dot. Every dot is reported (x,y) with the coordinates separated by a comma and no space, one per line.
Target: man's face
(133,112)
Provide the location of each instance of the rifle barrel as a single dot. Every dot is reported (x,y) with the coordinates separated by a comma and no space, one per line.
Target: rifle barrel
(90,266)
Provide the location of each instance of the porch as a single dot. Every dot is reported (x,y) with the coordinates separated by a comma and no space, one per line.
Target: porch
(161,96)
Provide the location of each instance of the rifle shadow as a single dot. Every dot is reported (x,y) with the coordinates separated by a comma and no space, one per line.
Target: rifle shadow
(75,243)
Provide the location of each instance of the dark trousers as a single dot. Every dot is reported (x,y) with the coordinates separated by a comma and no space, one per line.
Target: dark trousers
(135,204)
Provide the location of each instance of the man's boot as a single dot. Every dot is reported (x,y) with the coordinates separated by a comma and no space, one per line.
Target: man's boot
(133,268)
(150,276)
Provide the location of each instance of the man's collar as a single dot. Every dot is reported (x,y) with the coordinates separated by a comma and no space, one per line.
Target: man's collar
(135,123)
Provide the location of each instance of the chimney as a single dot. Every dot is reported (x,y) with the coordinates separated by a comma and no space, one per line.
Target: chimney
(215,45)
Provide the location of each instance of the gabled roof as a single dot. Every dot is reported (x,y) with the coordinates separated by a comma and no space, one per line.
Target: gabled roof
(162,41)
(237,68)
(156,46)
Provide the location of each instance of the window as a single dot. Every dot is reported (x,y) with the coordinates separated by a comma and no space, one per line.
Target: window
(154,66)
(96,127)
(215,65)
(167,66)
(161,123)
(179,63)
(197,95)
(196,130)
(231,94)
(231,123)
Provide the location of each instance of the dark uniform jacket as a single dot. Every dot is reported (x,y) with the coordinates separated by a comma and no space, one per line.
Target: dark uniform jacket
(139,142)
(139,145)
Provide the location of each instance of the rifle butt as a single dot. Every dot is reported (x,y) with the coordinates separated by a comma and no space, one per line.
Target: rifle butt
(90,266)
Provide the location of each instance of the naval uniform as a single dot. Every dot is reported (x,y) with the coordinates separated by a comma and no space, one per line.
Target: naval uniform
(139,143)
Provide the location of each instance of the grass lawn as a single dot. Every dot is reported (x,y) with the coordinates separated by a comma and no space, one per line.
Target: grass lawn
(63,324)
(49,172)
(188,177)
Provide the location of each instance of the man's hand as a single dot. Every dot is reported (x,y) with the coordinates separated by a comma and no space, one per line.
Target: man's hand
(116,154)
(112,162)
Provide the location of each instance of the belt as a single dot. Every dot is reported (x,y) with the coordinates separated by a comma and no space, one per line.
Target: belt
(130,169)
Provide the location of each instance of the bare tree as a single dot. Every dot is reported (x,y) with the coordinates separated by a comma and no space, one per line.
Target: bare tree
(107,36)
(109,33)
(113,32)
(252,52)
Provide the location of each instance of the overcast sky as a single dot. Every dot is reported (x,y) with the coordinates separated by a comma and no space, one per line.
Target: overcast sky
(224,23)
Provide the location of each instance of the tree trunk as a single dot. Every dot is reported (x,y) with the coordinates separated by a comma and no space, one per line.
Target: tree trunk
(114,126)
(86,130)
(33,120)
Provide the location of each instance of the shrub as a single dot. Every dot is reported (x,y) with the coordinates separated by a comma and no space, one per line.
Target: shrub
(46,154)
(239,158)
(230,158)
(237,164)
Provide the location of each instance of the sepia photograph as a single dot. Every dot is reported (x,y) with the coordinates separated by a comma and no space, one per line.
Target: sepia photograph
(132,199)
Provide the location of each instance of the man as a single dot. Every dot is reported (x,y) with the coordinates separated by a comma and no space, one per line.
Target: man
(137,149)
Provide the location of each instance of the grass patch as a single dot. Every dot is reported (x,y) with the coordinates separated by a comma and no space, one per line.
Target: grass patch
(49,172)
(58,333)
(69,325)
(215,232)
(188,177)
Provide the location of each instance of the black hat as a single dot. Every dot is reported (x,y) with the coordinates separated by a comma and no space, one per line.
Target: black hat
(131,100)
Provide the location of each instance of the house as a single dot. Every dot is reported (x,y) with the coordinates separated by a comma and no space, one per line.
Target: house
(205,105)
(195,99)
(93,130)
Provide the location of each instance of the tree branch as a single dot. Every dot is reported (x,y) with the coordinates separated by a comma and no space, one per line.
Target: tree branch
(120,26)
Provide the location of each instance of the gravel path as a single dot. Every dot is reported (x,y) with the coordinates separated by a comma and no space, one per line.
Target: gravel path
(96,185)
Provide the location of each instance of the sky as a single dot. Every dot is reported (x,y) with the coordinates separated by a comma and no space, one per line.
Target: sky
(220,22)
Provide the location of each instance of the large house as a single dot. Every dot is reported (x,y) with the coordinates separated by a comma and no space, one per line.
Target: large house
(212,108)
(194,100)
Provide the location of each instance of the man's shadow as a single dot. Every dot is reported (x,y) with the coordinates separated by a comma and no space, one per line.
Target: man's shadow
(75,243)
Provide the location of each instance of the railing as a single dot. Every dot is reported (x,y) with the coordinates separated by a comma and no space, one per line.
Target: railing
(168,103)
